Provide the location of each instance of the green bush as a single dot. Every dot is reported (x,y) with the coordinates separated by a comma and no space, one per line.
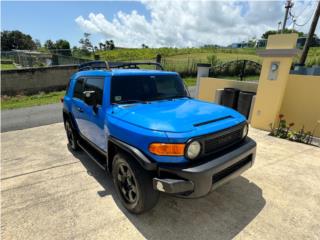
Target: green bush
(213,60)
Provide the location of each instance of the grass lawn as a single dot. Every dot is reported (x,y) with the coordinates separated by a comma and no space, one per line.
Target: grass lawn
(190,81)
(7,66)
(223,57)
(29,101)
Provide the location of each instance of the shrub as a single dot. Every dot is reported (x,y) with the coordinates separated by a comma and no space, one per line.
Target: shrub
(283,130)
(213,60)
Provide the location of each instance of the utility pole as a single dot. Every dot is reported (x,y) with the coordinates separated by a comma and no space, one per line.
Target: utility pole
(294,23)
(288,5)
(279,26)
(310,35)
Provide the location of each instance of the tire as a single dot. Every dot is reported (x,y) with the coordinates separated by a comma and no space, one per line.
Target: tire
(71,135)
(133,185)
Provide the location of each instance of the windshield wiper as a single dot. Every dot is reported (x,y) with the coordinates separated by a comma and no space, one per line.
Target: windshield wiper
(169,97)
(180,96)
(129,101)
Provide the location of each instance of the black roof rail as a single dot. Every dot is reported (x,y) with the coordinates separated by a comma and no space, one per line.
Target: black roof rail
(104,65)
(93,65)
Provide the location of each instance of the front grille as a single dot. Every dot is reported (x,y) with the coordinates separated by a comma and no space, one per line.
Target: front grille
(214,144)
(219,142)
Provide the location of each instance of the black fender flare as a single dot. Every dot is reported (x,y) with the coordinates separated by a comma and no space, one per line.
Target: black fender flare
(136,153)
(70,116)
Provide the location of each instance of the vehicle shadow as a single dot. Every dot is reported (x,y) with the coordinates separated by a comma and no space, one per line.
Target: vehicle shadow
(220,215)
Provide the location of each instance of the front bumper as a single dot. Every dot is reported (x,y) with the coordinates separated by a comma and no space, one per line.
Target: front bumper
(199,180)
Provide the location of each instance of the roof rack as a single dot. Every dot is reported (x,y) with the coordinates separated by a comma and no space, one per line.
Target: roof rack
(104,65)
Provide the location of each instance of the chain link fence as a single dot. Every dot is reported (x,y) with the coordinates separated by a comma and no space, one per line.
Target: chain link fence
(26,59)
(185,67)
(243,70)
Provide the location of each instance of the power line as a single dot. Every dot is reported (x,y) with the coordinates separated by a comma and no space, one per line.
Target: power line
(298,15)
(301,25)
(294,18)
(310,35)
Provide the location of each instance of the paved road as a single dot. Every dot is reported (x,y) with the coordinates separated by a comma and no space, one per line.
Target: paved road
(30,117)
(36,116)
(48,192)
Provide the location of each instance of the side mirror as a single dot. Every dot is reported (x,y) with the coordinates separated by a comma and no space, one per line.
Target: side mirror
(90,98)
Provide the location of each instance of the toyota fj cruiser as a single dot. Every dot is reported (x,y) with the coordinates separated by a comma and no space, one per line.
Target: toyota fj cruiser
(144,128)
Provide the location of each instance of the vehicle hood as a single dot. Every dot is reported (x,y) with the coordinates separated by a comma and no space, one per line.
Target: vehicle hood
(178,115)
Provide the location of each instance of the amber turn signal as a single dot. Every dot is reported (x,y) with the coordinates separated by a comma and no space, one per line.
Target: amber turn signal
(167,149)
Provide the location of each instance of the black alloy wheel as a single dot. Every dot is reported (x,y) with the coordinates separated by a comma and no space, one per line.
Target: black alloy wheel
(127,184)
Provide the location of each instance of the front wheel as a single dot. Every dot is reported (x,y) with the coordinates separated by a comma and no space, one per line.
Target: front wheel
(72,136)
(133,185)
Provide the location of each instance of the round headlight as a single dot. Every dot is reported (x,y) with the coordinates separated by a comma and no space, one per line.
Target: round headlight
(193,150)
(245,131)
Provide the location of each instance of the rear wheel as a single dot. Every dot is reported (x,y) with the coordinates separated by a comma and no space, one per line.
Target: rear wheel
(71,135)
(133,185)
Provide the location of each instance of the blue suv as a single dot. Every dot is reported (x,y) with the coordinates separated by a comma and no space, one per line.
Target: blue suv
(144,128)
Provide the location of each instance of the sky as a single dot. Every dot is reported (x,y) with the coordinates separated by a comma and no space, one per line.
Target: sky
(152,22)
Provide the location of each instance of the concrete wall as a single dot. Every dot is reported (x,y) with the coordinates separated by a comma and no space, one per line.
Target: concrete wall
(301,102)
(208,87)
(33,80)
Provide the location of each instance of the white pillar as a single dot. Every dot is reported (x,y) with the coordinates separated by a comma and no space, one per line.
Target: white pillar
(202,71)
(251,108)
(217,98)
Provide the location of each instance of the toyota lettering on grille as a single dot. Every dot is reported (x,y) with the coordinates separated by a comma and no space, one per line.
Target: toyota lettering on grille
(225,139)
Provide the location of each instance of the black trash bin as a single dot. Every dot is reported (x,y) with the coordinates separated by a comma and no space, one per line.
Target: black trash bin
(229,97)
(244,103)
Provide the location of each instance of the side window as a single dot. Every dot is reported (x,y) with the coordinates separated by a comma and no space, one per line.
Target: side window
(95,84)
(78,89)
(68,86)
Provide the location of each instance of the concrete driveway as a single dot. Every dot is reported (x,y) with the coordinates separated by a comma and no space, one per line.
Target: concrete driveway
(50,193)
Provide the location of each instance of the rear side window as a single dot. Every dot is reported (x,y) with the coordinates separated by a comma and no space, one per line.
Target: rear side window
(78,89)
(95,84)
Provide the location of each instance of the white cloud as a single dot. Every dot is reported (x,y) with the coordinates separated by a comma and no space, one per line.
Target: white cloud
(192,23)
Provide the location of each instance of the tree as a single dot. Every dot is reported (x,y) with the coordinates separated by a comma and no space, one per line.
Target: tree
(11,40)
(76,52)
(38,43)
(102,46)
(106,45)
(252,42)
(272,32)
(61,46)
(144,45)
(109,45)
(112,46)
(86,44)
(49,45)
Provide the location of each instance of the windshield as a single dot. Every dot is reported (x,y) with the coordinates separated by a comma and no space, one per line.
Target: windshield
(130,89)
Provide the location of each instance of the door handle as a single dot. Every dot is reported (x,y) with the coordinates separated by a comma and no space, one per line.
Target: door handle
(80,109)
